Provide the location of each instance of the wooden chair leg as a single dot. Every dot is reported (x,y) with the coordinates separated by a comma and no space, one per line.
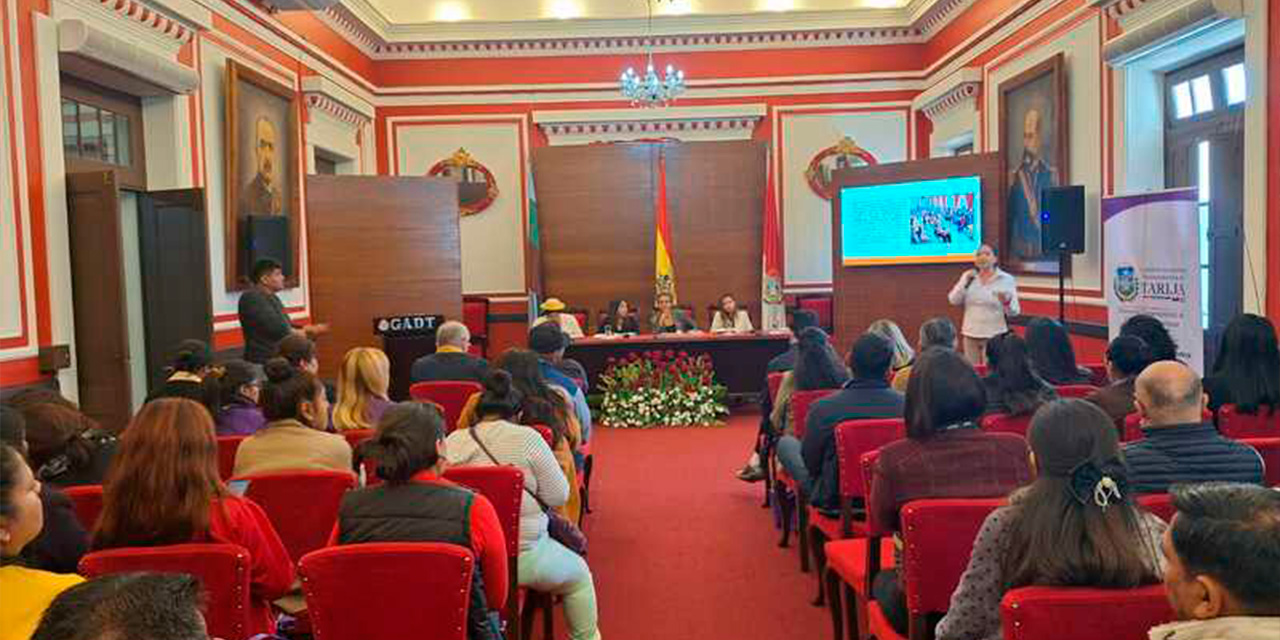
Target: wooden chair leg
(802,529)
(512,617)
(527,616)
(587,465)
(786,505)
(817,542)
(549,618)
(766,453)
(837,614)
(852,621)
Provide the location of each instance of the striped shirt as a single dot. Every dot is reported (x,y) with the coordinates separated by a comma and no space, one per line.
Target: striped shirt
(1188,453)
(524,448)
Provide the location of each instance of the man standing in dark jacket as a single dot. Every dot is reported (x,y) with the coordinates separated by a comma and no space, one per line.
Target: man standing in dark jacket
(1178,445)
(867,396)
(262,317)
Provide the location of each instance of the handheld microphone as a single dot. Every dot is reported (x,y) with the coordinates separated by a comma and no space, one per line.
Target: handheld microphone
(973,274)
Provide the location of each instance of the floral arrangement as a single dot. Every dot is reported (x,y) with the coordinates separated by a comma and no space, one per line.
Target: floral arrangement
(661,389)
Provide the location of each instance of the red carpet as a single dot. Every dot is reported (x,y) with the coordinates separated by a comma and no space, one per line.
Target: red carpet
(681,549)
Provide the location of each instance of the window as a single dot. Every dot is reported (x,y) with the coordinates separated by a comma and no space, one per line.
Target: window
(102,129)
(1205,87)
(963,150)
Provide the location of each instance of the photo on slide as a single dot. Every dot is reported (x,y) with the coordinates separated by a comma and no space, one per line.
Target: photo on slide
(911,222)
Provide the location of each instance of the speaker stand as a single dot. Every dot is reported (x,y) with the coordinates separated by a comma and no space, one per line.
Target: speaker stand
(1063,255)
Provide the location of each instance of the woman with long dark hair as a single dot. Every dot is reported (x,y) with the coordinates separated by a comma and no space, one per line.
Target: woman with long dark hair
(621,318)
(66,448)
(1075,526)
(1051,353)
(1152,332)
(1013,387)
(1247,371)
(543,404)
(164,489)
(817,367)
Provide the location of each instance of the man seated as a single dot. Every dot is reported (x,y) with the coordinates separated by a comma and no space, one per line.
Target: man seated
(813,463)
(1222,555)
(753,471)
(549,342)
(553,311)
(137,606)
(451,361)
(1179,446)
(1126,357)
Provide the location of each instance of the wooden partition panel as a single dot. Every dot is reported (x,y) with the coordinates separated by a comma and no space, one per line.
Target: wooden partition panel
(379,246)
(906,294)
(596,221)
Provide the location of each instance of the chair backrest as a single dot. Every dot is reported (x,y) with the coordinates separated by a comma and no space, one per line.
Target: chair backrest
(504,487)
(800,403)
(546,433)
(1097,374)
(867,467)
(1269,449)
(388,591)
(855,438)
(1159,504)
(86,500)
(223,571)
(450,395)
(1005,423)
(301,505)
(1075,390)
(1263,424)
(582,316)
(475,314)
(938,536)
(1062,613)
(357,436)
(227,448)
(775,382)
(820,306)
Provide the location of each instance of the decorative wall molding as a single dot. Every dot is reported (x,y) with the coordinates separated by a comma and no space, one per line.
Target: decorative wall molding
(324,95)
(336,109)
(962,93)
(726,122)
(1116,9)
(180,27)
(149,25)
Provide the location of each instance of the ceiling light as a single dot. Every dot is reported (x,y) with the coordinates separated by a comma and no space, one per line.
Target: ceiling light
(676,7)
(451,12)
(778,5)
(565,9)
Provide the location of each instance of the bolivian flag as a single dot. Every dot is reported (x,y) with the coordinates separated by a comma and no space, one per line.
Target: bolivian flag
(664,260)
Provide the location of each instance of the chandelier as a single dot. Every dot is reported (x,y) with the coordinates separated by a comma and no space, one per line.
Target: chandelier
(651,89)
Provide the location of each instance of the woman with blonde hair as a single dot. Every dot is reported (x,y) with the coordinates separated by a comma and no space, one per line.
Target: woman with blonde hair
(903,354)
(362,389)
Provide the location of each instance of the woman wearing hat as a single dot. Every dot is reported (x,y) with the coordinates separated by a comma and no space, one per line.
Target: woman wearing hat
(553,311)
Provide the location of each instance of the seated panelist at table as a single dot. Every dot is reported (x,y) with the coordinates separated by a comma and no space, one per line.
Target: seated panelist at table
(553,310)
(729,318)
(620,318)
(666,318)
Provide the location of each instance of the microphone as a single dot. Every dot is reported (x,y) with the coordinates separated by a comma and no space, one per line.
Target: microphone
(973,274)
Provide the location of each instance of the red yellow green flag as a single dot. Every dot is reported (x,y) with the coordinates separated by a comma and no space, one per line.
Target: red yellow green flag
(664,260)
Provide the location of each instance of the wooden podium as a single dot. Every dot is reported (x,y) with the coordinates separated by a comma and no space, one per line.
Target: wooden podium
(406,338)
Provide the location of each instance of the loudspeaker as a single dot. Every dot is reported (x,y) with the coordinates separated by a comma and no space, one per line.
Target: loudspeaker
(268,237)
(1062,219)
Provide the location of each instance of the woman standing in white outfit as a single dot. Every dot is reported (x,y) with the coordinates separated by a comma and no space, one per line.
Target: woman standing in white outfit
(988,294)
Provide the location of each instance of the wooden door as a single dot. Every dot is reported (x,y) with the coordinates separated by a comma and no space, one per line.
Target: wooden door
(97,286)
(173,241)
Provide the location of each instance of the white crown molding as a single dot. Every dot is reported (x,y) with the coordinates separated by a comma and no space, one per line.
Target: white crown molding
(162,26)
(957,89)
(325,95)
(585,126)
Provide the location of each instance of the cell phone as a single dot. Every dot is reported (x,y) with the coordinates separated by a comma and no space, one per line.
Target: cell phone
(238,487)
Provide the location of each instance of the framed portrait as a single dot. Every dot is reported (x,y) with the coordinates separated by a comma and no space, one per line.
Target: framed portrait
(263,202)
(1034,155)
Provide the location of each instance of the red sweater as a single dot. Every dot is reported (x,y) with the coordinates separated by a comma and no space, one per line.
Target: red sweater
(237,520)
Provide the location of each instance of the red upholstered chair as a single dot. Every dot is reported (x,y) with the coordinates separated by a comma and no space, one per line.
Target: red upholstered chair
(86,500)
(800,403)
(475,314)
(1269,449)
(1098,374)
(820,305)
(1159,504)
(852,563)
(388,591)
(301,505)
(1263,424)
(546,433)
(227,448)
(504,488)
(1075,390)
(223,571)
(451,396)
(1062,613)
(582,316)
(775,381)
(1005,423)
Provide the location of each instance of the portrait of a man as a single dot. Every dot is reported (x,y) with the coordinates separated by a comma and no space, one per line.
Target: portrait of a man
(261,195)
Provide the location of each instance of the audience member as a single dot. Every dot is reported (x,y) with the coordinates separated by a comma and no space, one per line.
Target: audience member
(363,381)
(621,318)
(813,463)
(1247,370)
(1013,387)
(903,354)
(549,342)
(1179,446)
(300,352)
(801,319)
(668,318)
(132,606)
(1223,556)
(26,592)
(239,384)
(1076,525)
(293,439)
(544,563)
(817,367)
(1125,358)
(62,541)
(262,317)
(417,505)
(66,447)
(185,374)
(945,455)
(543,404)
(1052,355)
(937,332)
(1152,332)
(729,318)
(451,361)
(554,311)
(164,489)
(753,470)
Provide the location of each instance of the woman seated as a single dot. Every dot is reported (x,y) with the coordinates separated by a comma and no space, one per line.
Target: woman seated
(1247,370)
(238,412)
(666,318)
(27,592)
(186,372)
(543,404)
(621,318)
(1075,526)
(363,381)
(903,354)
(729,318)
(62,541)
(817,367)
(945,455)
(1013,387)
(417,505)
(1154,333)
(555,311)
(66,448)
(1052,355)
(544,564)
(294,437)
(164,489)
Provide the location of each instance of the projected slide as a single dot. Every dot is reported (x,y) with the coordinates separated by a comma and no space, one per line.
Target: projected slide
(911,222)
